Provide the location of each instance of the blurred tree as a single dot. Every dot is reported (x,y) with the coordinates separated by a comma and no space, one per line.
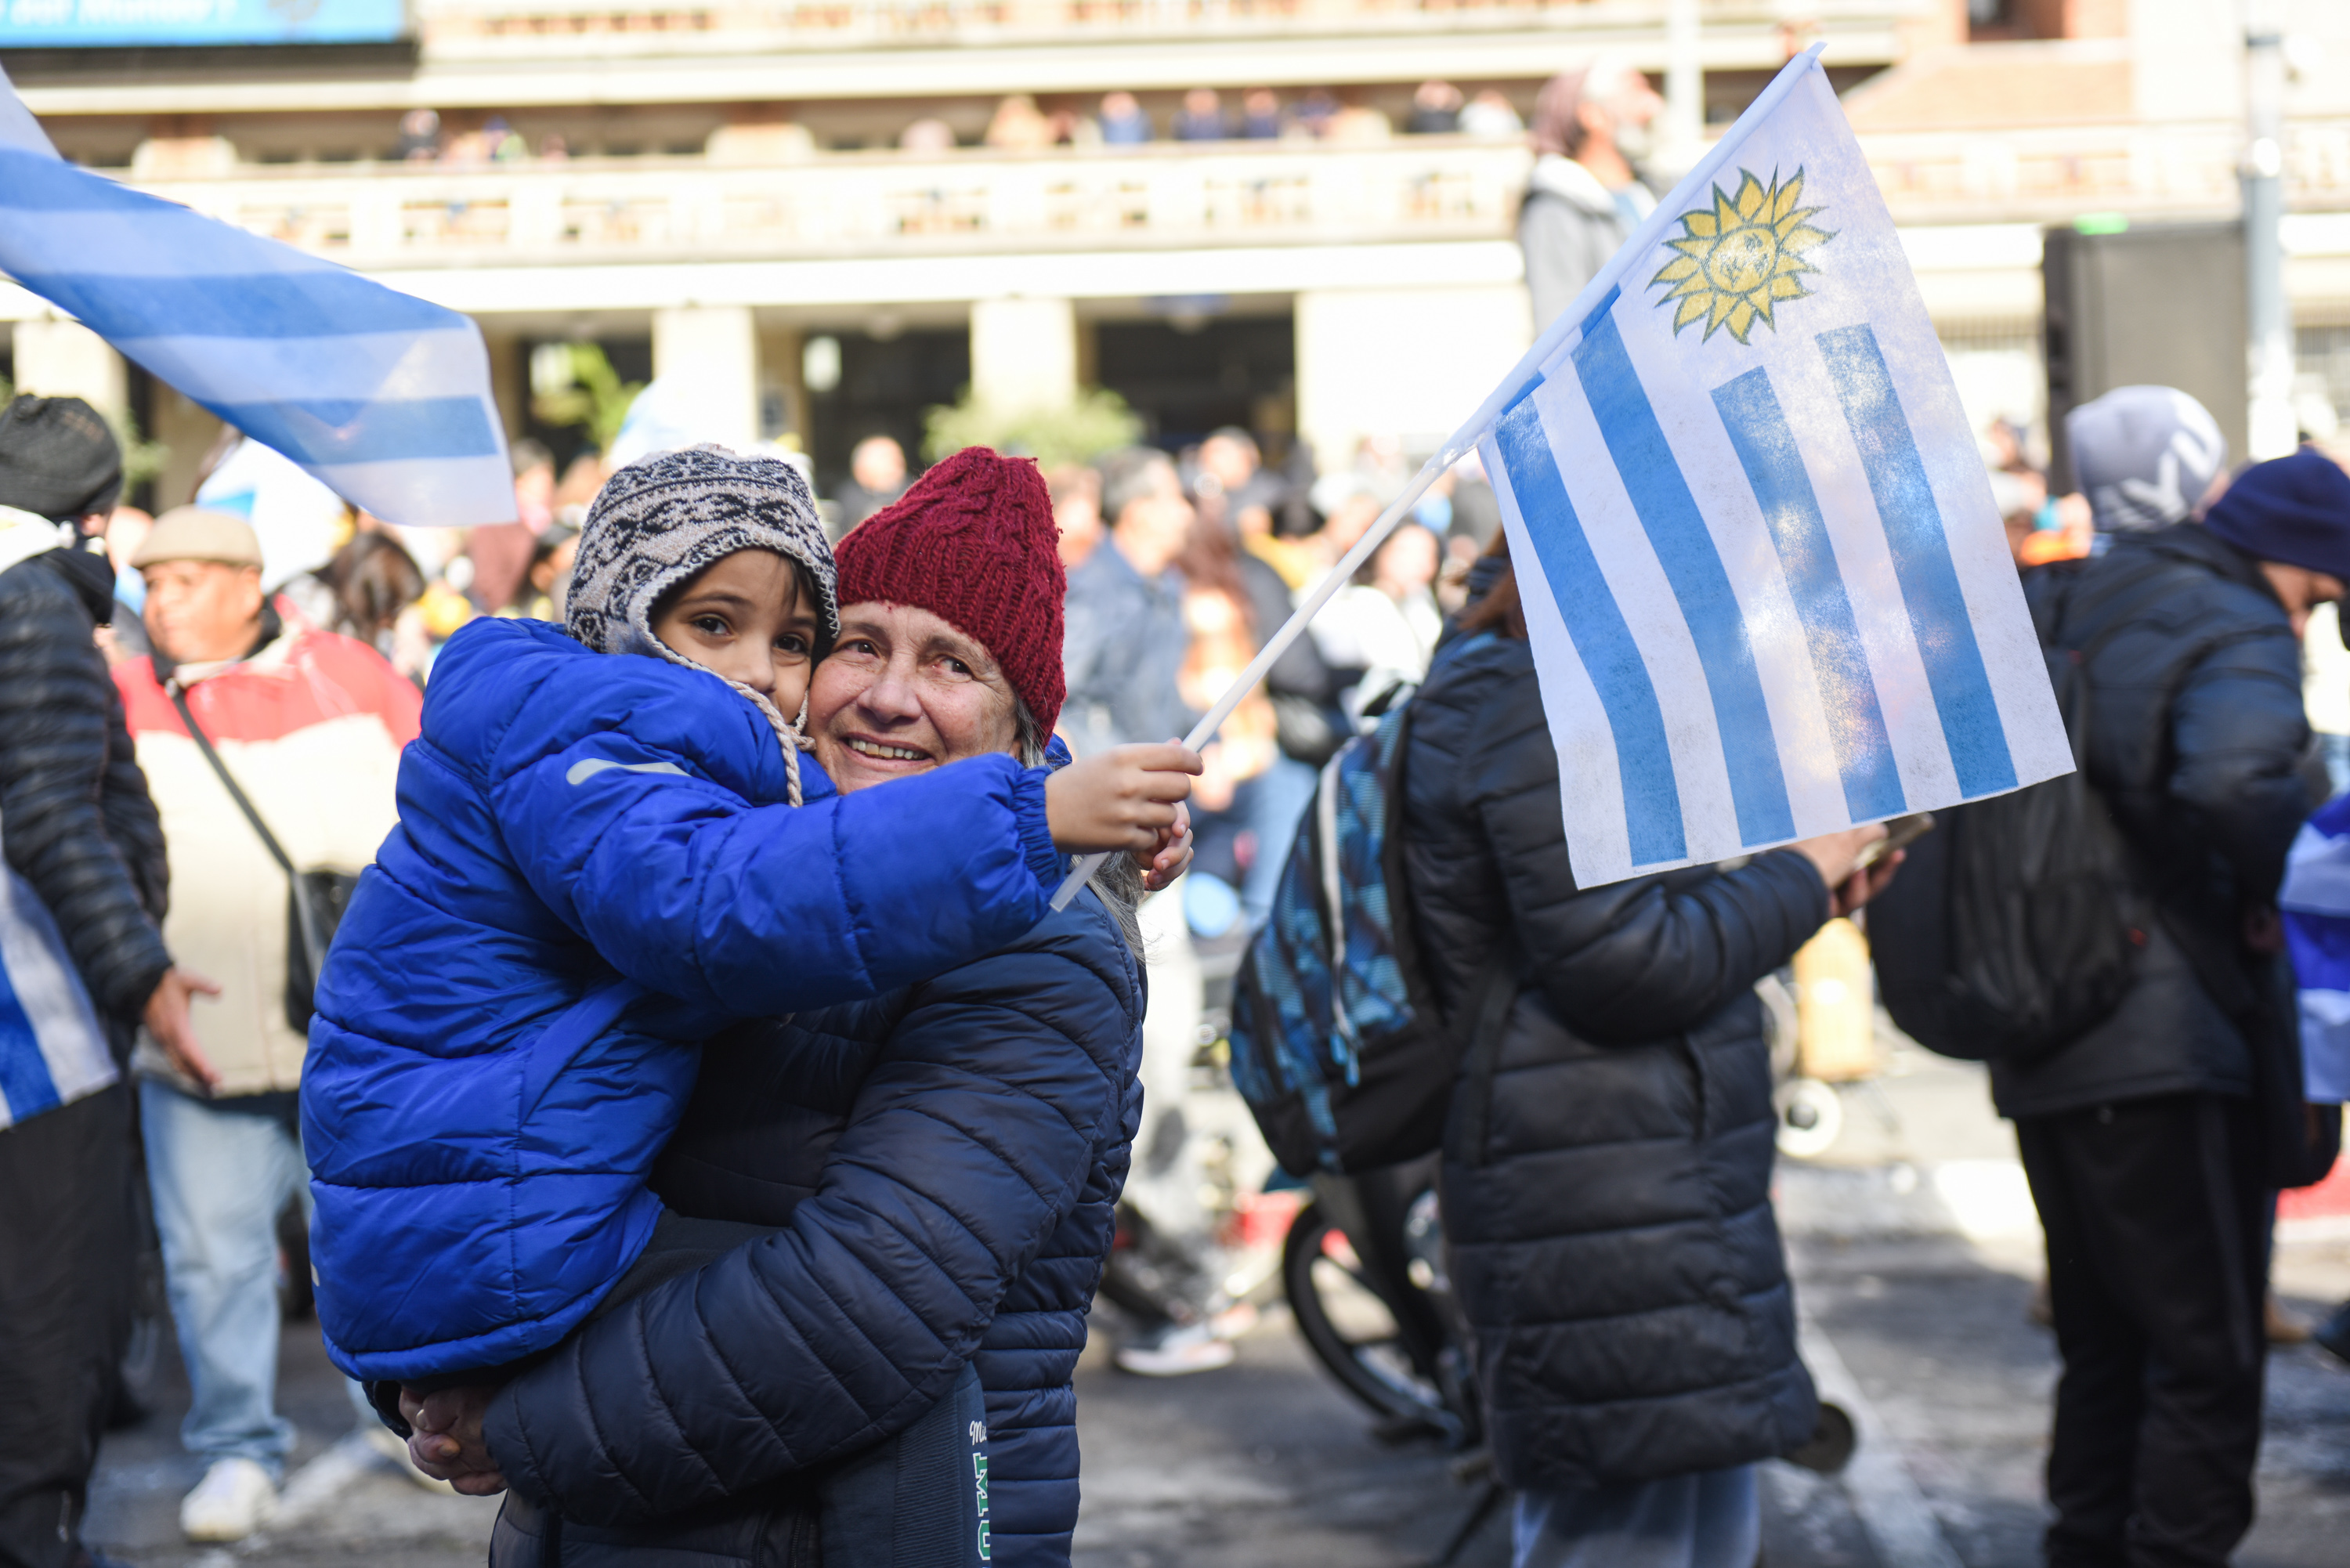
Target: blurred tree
(1078,431)
(575,384)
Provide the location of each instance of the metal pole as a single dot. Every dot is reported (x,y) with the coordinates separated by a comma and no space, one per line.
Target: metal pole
(1684,87)
(2270,426)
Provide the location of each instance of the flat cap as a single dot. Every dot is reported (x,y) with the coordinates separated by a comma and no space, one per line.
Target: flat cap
(199,533)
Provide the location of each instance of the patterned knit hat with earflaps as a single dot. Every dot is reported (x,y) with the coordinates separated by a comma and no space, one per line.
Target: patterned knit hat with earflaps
(974,542)
(662,519)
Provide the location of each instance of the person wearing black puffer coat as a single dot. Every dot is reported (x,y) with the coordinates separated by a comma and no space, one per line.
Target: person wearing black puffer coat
(2148,1138)
(82,965)
(940,1166)
(1607,1166)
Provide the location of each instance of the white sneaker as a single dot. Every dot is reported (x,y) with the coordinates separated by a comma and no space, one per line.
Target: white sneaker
(1175,1351)
(386,1441)
(236,1498)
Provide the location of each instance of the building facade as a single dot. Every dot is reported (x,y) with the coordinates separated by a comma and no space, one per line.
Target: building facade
(815,218)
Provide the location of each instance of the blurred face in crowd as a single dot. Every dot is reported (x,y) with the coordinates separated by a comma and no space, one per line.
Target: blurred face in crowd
(201,611)
(2301,590)
(748,617)
(1152,529)
(903,692)
(879,465)
(1231,464)
(1406,563)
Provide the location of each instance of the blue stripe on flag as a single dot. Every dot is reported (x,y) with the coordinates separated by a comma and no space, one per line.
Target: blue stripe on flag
(324,431)
(1921,560)
(1766,450)
(1652,797)
(311,303)
(25,1081)
(1652,477)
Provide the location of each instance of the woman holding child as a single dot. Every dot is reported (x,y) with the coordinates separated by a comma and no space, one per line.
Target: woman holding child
(878,1196)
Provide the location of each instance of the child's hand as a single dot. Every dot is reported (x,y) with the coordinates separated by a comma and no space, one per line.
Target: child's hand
(447,1444)
(1173,856)
(1124,798)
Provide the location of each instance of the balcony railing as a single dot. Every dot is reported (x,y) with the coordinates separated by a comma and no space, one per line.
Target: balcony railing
(857,203)
(449,23)
(1167,195)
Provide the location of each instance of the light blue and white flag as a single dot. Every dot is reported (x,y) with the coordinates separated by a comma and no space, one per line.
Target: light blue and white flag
(383,397)
(2315,899)
(1766,584)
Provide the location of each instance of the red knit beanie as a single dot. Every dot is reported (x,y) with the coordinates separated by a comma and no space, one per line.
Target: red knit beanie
(974,542)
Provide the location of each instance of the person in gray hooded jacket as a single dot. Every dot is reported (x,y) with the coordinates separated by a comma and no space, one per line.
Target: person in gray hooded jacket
(1584,200)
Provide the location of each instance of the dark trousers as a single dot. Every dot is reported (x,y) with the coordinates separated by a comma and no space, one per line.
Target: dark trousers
(66,1259)
(2157,1269)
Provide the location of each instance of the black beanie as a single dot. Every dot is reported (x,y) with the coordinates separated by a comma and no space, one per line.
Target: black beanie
(58,458)
(2294,510)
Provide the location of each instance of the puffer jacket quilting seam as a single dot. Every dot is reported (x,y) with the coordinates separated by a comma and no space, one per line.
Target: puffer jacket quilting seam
(685,1443)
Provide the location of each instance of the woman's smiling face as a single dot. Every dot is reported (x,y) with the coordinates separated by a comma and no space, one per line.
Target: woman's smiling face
(904,691)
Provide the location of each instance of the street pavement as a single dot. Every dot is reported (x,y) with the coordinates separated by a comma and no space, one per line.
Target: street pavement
(1915,1252)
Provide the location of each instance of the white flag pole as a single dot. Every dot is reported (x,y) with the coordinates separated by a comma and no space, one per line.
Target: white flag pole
(1279,643)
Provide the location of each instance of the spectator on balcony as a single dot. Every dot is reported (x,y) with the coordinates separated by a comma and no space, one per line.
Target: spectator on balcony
(1435,109)
(1584,199)
(927,135)
(876,476)
(1261,115)
(504,144)
(419,136)
(1357,123)
(1315,112)
(1490,114)
(553,149)
(1019,126)
(1124,122)
(1202,118)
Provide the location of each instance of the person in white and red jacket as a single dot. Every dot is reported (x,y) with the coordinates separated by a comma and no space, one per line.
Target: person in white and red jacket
(310,725)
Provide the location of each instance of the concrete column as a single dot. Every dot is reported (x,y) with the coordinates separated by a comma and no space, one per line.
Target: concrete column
(187,432)
(509,382)
(65,359)
(1406,362)
(1024,352)
(782,398)
(707,359)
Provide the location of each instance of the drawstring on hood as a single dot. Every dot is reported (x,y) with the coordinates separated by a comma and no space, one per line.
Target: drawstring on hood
(662,519)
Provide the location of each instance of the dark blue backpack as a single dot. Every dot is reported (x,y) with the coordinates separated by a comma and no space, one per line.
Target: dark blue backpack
(1337,1045)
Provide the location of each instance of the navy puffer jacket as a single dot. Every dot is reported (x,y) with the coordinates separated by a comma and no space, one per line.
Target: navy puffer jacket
(1606,1182)
(945,1162)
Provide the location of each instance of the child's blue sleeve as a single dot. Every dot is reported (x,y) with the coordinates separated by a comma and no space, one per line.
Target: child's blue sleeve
(689,889)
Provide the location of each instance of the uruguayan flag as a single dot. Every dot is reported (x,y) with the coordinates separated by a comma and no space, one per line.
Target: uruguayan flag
(52,1048)
(2316,903)
(1767,587)
(384,398)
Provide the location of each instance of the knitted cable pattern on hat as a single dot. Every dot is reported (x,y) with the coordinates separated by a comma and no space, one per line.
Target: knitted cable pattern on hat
(974,542)
(662,519)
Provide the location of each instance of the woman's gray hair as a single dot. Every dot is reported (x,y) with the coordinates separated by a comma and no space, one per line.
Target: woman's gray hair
(1120,880)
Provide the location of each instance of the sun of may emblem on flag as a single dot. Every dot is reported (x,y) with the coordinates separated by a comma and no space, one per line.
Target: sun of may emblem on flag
(1742,256)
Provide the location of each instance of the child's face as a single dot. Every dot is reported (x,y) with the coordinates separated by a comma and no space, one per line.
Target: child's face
(744,616)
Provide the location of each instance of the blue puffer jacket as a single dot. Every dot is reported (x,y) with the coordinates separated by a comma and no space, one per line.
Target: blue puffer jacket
(580,831)
(945,1162)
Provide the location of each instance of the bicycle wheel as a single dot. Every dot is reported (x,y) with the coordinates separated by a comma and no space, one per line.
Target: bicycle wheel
(1348,1325)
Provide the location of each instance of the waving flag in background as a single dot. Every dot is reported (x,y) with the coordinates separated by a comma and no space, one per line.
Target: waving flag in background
(1766,581)
(383,397)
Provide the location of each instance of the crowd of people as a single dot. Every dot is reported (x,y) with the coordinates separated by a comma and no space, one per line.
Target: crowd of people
(1019,124)
(277,933)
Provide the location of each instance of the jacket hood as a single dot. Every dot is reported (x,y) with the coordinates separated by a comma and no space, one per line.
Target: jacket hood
(1571,181)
